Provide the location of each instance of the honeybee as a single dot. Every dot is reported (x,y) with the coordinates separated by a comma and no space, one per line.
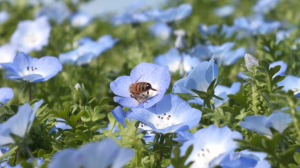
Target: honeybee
(138,89)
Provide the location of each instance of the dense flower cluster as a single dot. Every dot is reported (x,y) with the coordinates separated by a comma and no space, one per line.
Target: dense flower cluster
(223,92)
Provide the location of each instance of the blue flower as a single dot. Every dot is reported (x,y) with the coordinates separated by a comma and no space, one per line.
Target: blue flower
(161,30)
(92,155)
(264,6)
(80,19)
(31,35)
(224,11)
(6,94)
(207,51)
(180,42)
(291,82)
(31,69)
(199,78)
(262,124)
(157,76)
(173,59)
(209,143)
(184,136)
(61,124)
(231,57)
(56,12)
(283,34)
(83,40)
(221,91)
(89,50)
(254,26)
(171,14)
(130,18)
(245,159)
(19,124)
(4,16)
(212,29)
(7,53)
(171,114)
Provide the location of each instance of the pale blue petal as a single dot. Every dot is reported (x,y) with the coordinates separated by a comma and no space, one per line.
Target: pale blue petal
(120,86)
(184,136)
(65,159)
(119,114)
(126,101)
(279,121)
(283,67)
(256,124)
(6,94)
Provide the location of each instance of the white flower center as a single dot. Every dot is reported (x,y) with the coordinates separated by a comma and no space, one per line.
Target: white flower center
(163,121)
(205,155)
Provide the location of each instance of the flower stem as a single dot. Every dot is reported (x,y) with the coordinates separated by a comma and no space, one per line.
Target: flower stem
(162,138)
(30,96)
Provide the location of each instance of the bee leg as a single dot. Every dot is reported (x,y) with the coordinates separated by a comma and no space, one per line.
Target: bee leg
(137,100)
(142,98)
(138,78)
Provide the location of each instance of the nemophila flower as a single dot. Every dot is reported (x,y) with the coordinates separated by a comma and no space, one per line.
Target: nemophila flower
(31,35)
(93,155)
(212,29)
(7,53)
(282,70)
(130,18)
(224,11)
(261,163)
(199,78)
(171,14)
(56,12)
(221,91)
(31,69)
(209,143)
(232,56)
(180,41)
(245,159)
(61,124)
(264,6)
(19,124)
(83,40)
(262,124)
(4,16)
(89,50)
(132,93)
(254,26)
(207,51)
(161,30)
(184,136)
(176,61)
(283,34)
(6,94)
(80,19)
(291,82)
(171,114)
(107,41)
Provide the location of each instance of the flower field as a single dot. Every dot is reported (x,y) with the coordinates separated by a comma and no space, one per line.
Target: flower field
(192,83)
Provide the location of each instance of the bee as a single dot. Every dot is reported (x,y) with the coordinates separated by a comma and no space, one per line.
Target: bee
(138,89)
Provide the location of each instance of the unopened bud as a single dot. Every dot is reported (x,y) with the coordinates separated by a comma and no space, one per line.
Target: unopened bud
(250,60)
(79,95)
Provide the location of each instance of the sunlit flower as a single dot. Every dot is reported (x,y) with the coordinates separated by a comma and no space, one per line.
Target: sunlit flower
(171,114)
(291,82)
(161,30)
(207,51)
(6,94)
(209,143)
(130,18)
(173,59)
(224,11)
(56,12)
(171,14)
(212,30)
(4,16)
(88,51)
(93,155)
(80,19)
(157,76)
(7,53)
(254,26)
(221,91)
(31,69)
(19,124)
(262,124)
(199,78)
(31,35)
(264,6)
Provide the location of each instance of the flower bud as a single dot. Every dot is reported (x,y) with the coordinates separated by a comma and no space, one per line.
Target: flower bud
(79,95)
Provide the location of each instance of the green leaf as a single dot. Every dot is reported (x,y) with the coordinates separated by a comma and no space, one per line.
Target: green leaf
(104,101)
(10,152)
